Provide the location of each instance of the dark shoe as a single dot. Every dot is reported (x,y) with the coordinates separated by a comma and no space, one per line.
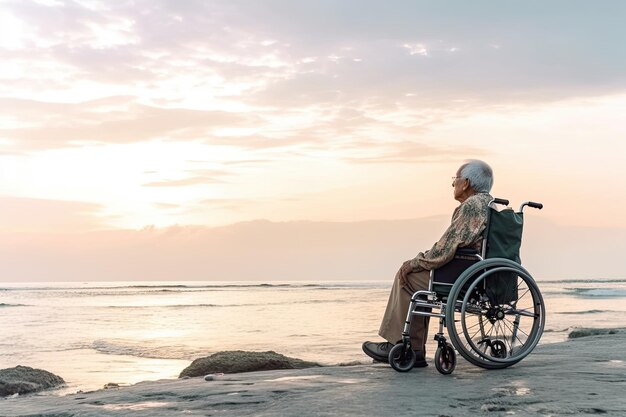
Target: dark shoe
(420,361)
(377,351)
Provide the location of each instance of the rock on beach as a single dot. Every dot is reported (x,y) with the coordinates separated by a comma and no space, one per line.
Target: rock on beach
(24,380)
(236,361)
(584,332)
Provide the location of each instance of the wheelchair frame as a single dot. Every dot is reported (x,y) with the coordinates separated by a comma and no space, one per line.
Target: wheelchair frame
(471,298)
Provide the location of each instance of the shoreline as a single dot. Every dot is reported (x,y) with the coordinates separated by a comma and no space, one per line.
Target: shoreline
(582,376)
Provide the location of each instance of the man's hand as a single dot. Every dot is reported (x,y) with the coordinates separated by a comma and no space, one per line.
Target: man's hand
(405,270)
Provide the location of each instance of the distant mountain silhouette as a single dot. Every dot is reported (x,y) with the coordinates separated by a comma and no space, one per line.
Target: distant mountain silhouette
(299,250)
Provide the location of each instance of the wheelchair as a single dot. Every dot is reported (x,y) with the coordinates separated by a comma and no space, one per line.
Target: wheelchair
(491,306)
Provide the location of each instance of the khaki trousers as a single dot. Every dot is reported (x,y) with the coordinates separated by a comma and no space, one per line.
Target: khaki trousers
(397,308)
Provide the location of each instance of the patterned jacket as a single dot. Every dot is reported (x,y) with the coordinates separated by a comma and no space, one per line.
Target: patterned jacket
(468,222)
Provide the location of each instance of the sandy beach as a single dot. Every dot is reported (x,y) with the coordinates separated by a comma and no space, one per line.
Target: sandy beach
(583,376)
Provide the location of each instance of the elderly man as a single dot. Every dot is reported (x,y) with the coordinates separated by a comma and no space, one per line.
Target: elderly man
(472,184)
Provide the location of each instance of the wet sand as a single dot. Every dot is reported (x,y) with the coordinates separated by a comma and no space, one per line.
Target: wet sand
(582,377)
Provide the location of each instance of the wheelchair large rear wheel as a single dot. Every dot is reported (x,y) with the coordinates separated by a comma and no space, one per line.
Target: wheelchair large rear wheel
(495,313)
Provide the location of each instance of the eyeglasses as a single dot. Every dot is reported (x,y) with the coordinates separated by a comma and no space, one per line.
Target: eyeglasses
(456,178)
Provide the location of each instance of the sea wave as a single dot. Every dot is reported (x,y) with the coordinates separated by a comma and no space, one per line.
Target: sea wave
(181,306)
(589,312)
(173,306)
(584,281)
(128,348)
(583,292)
(107,289)
(597,292)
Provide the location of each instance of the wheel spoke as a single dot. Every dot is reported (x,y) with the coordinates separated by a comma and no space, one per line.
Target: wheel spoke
(506,339)
(474,325)
(477,331)
(520,330)
(517,337)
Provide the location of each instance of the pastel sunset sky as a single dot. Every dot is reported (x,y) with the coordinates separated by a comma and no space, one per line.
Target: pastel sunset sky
(235,139)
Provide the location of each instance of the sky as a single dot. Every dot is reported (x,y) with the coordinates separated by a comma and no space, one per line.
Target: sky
(124,123)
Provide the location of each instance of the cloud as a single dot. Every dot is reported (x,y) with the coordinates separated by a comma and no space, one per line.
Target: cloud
(301,95)
(537,59)
(41,215)
(146,44)
(167,206)
(267,61)
(224,203)
(110,120)
(269,46)
(256,142)
(197,177)
(410,152)
(183,182)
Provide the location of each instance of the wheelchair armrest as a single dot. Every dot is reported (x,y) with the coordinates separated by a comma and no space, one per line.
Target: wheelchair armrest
(466,251)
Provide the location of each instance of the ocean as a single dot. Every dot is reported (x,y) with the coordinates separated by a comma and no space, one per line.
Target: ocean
(92,334)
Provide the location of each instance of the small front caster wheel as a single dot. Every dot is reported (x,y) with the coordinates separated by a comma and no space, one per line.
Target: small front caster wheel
(402,357)
(445,359)
(498,349)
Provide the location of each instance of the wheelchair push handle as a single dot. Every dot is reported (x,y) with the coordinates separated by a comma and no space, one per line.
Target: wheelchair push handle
(530,204)
(502,201)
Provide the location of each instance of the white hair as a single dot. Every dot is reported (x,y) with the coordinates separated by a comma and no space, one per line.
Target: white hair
(479,175)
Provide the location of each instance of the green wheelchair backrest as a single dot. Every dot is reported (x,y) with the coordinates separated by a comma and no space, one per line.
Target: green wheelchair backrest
(504,234)
(504,238)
